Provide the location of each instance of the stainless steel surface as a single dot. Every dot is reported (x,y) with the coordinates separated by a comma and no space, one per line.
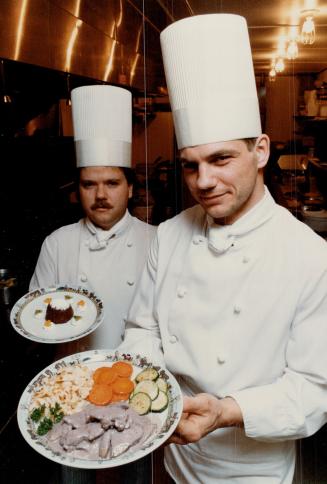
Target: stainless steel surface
(97,39)
(110,40)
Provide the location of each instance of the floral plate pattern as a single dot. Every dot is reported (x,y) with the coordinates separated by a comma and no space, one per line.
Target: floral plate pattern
(169,418)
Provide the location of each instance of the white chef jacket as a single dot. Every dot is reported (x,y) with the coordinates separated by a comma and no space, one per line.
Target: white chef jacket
(248,320)
(108,263)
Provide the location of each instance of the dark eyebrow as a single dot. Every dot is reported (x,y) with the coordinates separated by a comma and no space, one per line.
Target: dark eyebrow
(224,152)
(215,155)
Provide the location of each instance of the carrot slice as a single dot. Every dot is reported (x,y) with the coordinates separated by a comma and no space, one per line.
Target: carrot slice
(122,386)
(101,394)
(120,397)
(105,374)
(123,368)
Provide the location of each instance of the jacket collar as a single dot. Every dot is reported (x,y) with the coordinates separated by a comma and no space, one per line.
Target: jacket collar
(221,237)
(99,238)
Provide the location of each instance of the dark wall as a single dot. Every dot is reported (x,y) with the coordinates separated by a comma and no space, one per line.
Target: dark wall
(36,177)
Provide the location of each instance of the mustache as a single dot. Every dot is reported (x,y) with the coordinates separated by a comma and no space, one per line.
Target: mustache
(100,204)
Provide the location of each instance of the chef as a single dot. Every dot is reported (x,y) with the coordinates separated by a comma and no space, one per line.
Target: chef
(105,251)
(233,300)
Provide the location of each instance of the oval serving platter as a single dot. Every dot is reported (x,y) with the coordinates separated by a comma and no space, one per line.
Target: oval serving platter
(166,421)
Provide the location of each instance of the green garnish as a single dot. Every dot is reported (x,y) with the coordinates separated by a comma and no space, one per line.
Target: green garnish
(37,413)
(45,425)
(68,297)
(37,311)
(55,416)
(77,318)
(56,413)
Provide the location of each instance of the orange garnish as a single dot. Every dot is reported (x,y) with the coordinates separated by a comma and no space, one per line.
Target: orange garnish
(48,300)
(101,394)
(123,368)
(105,374)
(122,386)
(119,398)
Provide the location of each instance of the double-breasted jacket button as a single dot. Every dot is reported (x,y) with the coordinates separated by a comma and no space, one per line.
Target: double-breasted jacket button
(173,339)
(237,309)
(181,291)
(221,358)
(245,259)
(83,277)
(130,282)
(197,240)
(129,244)
(87,243)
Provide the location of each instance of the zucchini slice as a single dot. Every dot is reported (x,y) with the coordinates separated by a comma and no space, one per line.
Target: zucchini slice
(147,374)
(162,385)
(160,403)
(149,387)
(141,403)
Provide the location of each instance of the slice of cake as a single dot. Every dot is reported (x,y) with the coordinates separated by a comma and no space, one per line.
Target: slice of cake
(59,311)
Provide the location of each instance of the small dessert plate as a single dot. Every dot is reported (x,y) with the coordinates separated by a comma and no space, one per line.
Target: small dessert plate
(28,315)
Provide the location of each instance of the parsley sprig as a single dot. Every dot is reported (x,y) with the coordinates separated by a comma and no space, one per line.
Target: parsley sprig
(45,425)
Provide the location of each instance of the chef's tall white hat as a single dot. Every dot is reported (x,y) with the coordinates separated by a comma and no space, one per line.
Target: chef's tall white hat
(210,79)
(102,121)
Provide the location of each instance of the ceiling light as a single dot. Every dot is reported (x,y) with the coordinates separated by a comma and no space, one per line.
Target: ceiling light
(272,75)
(280,66)
(292,51)
(308,28)
(281,51)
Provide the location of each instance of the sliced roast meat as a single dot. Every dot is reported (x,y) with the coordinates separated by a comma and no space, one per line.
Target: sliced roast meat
(104,444)
(78,419)
(58,431)
(121,441)
(89,432)
(110,416)
(101,432)
(84,445)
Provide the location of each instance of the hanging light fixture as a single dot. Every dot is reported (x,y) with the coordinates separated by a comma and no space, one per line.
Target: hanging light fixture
(280,65)
(292,51)
(308,32)
(272,74)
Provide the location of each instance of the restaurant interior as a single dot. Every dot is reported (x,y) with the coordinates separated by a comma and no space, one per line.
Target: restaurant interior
(49,47)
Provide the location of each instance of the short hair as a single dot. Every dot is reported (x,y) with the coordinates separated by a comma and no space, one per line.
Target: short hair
(129,175)
(250,143)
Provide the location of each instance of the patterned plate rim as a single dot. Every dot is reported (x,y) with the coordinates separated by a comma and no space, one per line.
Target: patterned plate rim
(15,314)
(101,356)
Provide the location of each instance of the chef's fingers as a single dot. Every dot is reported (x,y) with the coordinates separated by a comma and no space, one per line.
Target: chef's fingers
(189,405)
(176,439)
(196,405)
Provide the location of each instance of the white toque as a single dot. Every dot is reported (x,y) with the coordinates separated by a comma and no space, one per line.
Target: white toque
(210,79)
(102,121)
